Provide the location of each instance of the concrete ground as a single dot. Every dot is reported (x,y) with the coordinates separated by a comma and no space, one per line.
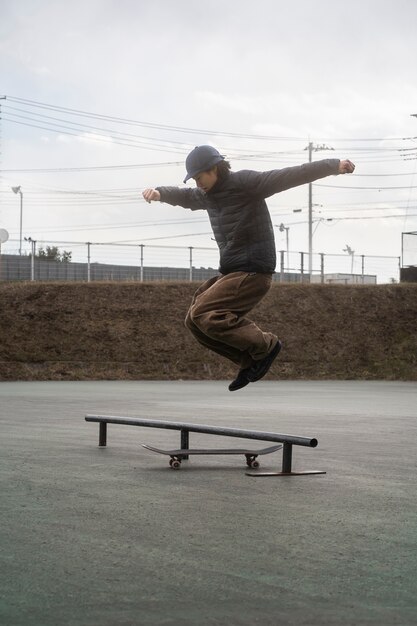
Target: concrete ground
(114,537)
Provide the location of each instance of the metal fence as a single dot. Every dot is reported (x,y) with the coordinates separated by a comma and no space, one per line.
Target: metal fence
(123,262)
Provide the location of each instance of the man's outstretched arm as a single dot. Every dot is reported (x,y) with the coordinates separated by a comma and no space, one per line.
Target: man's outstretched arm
(188,198)
(265,184)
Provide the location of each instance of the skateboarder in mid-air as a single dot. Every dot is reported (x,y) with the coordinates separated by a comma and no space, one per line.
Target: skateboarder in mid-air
(239,216)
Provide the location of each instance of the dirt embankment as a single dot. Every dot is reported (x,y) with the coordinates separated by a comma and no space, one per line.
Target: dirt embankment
(77,331)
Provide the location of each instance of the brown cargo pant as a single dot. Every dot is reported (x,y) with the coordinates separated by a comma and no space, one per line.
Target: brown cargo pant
(217,319)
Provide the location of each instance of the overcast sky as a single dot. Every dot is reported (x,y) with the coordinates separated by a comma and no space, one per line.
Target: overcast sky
(340,74)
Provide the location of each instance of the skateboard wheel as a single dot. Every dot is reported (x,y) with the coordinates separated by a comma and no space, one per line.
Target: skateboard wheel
(175,464)
(254,464)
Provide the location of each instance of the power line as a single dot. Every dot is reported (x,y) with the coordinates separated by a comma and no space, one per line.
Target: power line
(289,224)
(118,138)
(167,127)
(79,125)
(112,132)
(89,227)
(108,137)
(42,170)
(178,235)
(48,170)
(384,175)
(355,187)
(101,138)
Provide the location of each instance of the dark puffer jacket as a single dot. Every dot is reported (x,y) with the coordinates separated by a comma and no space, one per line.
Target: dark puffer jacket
(239,215)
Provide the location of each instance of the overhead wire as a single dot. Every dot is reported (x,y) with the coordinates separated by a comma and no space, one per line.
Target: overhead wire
(167,127)
(105,197)
(119,138)
(101,138)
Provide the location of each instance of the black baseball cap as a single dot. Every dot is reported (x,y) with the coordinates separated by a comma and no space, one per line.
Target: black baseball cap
(200,159)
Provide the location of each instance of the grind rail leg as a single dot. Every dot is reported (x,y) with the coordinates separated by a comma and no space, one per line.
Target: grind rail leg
(287,458)
(102,434)
(185,442)
(286,466)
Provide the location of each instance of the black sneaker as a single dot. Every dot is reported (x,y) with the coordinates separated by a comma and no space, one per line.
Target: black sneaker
(260,368)
(240,381)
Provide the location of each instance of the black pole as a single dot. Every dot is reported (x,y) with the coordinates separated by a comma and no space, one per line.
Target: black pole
(185,440)
(102,437)
(286,458)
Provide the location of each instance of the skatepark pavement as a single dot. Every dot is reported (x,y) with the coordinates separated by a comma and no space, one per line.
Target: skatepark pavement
(114,537)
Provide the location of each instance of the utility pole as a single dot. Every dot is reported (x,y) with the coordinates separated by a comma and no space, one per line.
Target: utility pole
(1,176)
(312,148)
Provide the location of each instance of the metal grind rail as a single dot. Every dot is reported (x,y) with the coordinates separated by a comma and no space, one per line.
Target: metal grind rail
(288,441)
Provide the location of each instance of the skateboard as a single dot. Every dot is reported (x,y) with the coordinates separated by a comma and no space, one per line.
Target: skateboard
(178,455)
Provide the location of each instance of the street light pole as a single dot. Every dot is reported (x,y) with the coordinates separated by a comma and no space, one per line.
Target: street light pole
(312,148)
(32,257)
(351,252)
(310,215)
(282,227)
(19,191)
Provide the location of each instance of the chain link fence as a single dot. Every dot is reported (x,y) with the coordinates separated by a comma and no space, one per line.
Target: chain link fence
(74,261)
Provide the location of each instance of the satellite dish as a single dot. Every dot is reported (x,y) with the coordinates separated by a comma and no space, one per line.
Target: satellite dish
(4,235)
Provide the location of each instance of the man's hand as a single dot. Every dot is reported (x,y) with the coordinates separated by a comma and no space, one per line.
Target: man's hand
(151,194)
(346,167)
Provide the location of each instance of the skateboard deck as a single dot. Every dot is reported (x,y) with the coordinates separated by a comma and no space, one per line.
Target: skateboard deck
(178,455)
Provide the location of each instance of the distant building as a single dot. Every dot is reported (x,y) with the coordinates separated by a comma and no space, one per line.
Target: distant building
(345,279)
(408,274)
